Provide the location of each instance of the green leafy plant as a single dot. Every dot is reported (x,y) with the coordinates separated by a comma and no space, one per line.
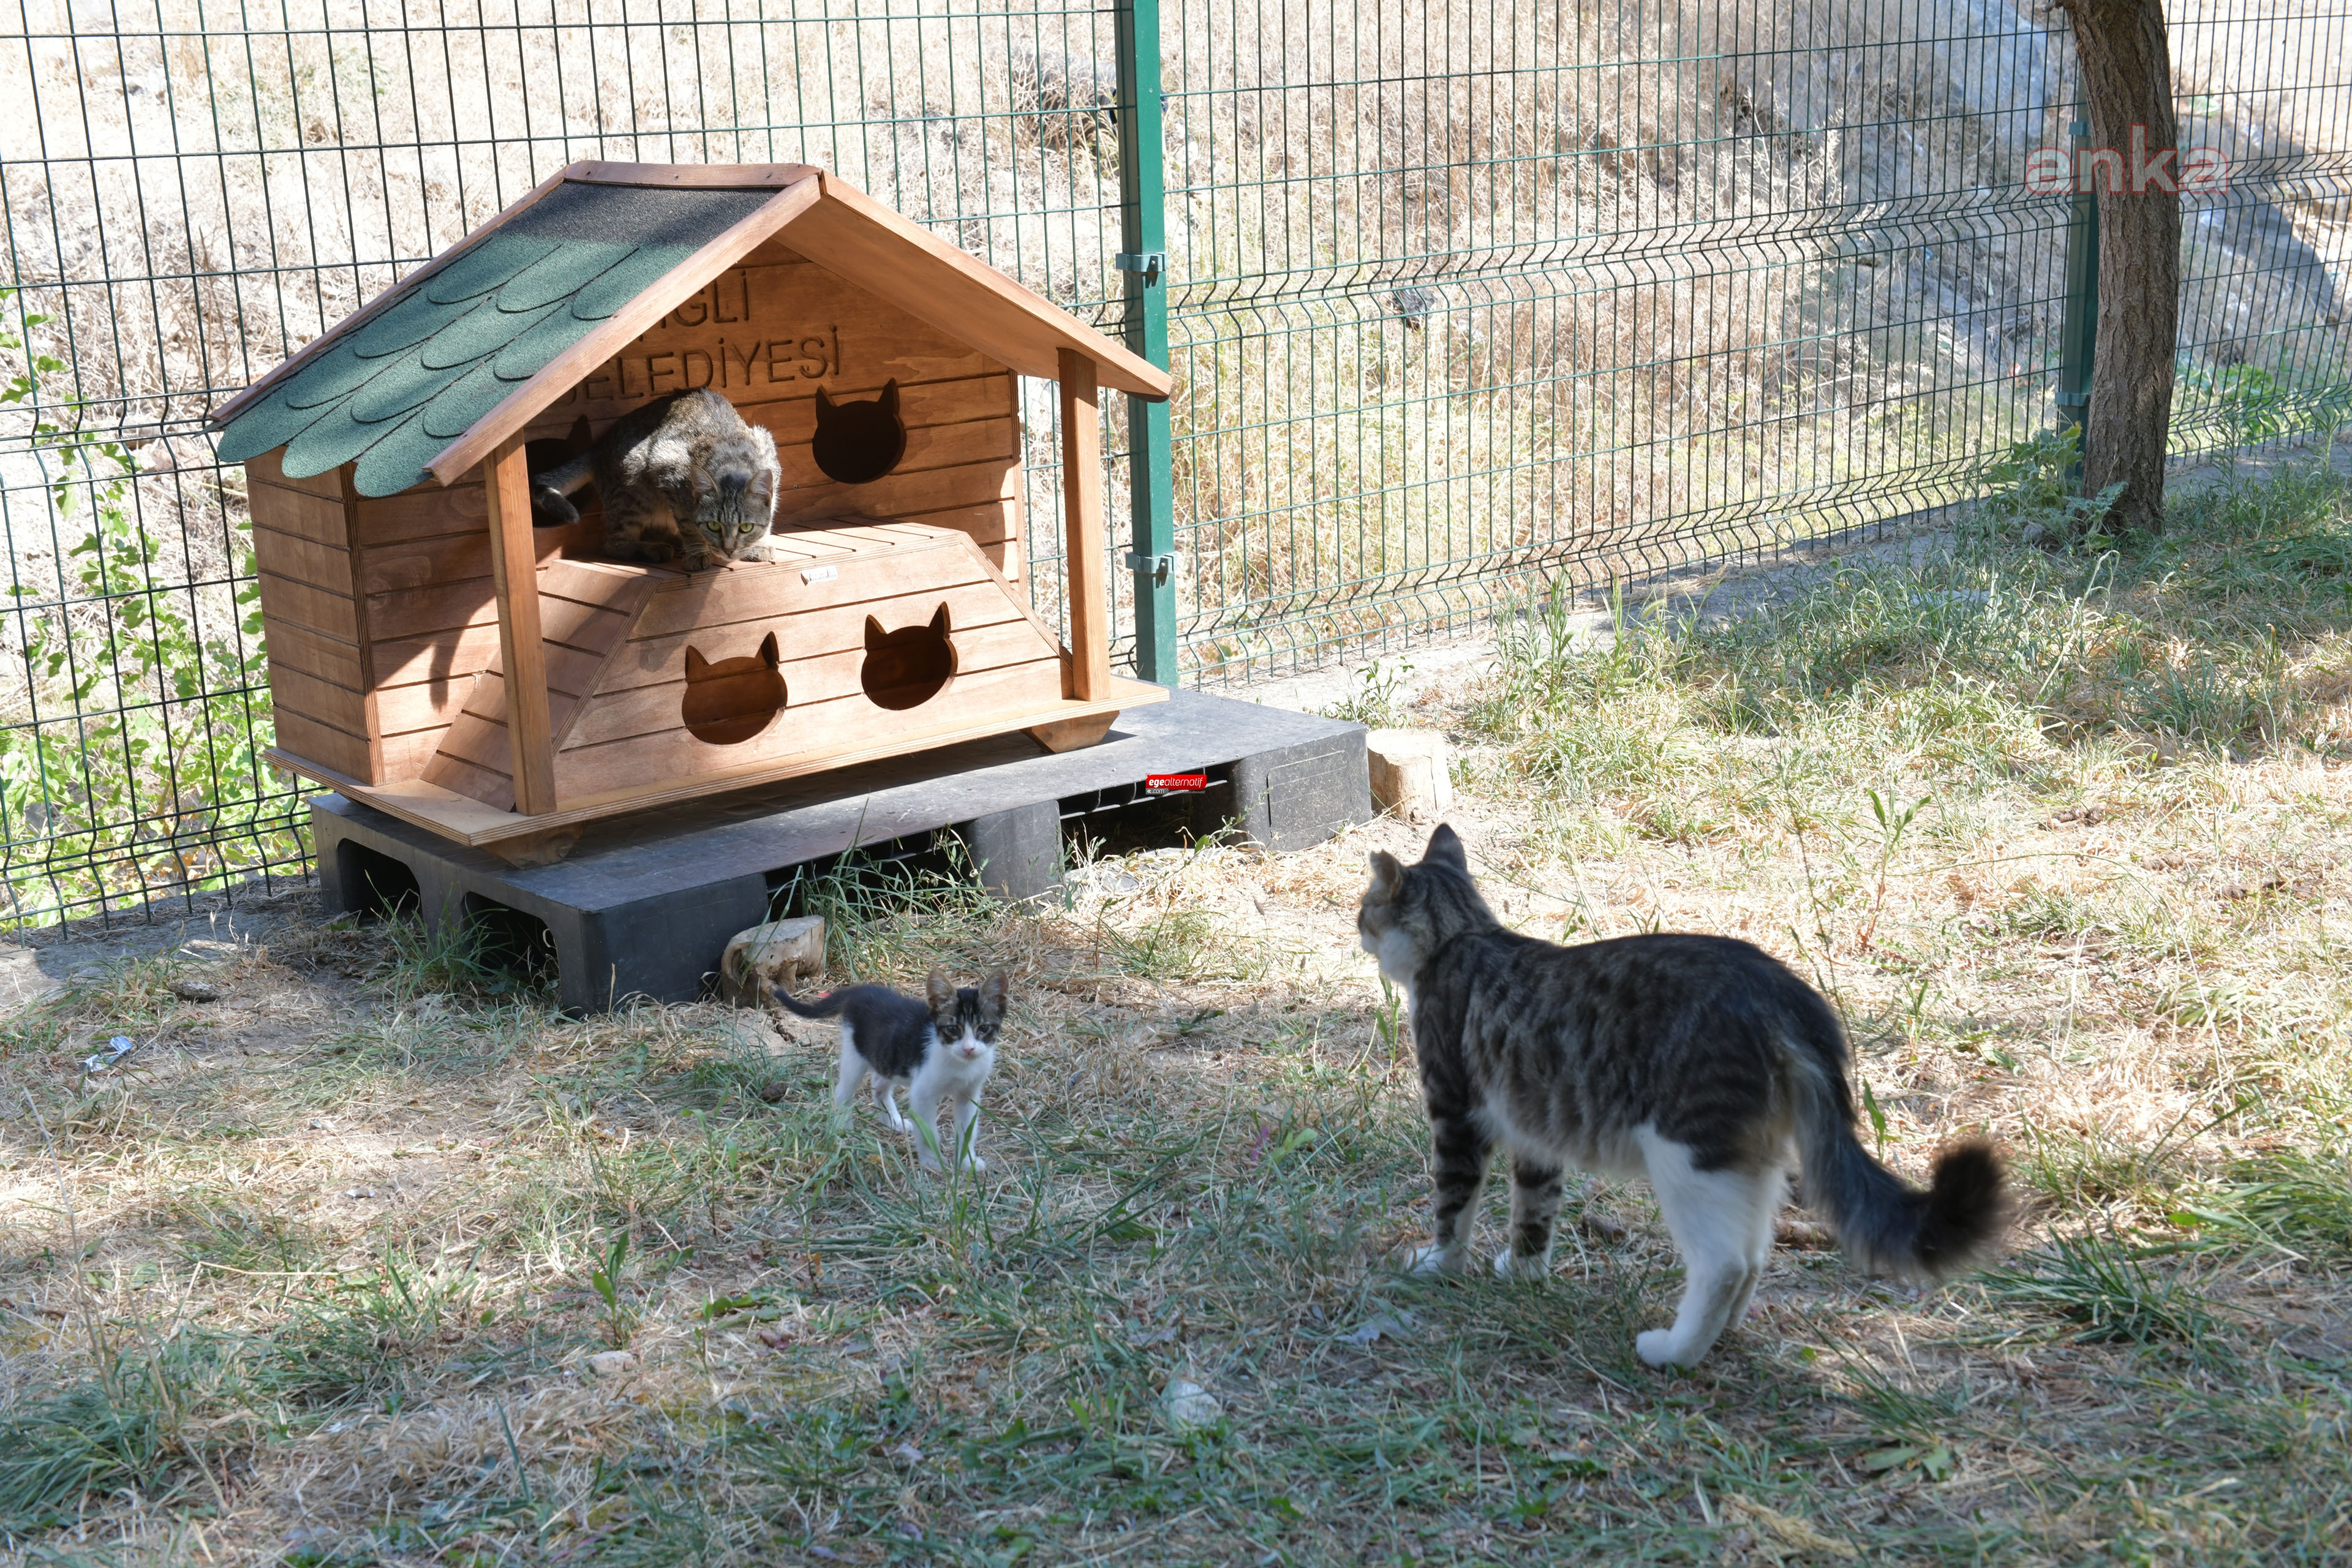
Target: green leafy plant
(2032,491)
(138,754)
(604,1279)
(2248,403)
(1373,703)
(2103,1286)
(1877,1115)
(1894,821)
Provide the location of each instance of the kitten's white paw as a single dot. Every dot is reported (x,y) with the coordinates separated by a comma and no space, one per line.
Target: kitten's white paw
(1656,1348)
(1433,1259)
(1510,1264)
(976,1165)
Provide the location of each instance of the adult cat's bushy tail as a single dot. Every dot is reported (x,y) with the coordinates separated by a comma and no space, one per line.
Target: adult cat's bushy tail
(1882,1221)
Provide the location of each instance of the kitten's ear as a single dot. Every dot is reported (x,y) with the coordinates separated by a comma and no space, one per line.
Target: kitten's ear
(696,665)
(936,987)
(875,637)
(940,621)
(889,402)
(992,989)
(1387,872)
(824,405)
(768,654)
(1445,849)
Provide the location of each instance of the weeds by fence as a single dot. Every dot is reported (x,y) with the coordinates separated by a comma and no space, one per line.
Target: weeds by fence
(1461,296)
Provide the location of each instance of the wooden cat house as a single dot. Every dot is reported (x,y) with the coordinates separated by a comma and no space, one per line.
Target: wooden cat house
(435,654)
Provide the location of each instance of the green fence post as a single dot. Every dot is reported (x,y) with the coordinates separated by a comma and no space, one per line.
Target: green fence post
(1143,261)
(2078,329)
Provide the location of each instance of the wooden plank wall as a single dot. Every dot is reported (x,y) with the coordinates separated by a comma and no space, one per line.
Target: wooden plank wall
(631,732)
(587,608)
(319,675)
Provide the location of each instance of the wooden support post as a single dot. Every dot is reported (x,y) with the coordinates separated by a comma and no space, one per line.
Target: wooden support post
(523,655)
(1082,508)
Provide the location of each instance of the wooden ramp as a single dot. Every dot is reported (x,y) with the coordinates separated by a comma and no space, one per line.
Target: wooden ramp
(585,608)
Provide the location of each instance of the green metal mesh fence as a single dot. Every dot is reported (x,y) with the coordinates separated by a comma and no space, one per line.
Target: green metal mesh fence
(1458,295)
(1471,293)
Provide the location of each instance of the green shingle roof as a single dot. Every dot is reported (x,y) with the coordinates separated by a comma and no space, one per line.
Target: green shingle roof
(394,390)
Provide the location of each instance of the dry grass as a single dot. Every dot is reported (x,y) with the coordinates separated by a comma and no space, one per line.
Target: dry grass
(321,1278)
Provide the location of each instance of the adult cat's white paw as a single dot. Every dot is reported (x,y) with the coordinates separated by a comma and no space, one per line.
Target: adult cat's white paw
(1510,1264)
(1433,1259)
(1656,1348)
(976,1165)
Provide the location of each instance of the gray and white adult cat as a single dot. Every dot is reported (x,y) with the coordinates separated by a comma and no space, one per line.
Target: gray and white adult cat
(683,477)
(942,1048)
(1698,1061)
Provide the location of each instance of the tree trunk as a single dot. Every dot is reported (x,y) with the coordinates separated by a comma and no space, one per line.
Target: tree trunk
(2127,84)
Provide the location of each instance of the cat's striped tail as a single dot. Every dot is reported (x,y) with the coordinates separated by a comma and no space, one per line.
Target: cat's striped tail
(1882,1221)
(825,1006)
(550,490)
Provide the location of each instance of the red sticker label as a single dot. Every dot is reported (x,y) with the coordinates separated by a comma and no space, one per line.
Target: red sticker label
(1176,781)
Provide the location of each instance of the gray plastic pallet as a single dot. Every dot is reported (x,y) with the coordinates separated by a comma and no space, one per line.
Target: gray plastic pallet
(644,905)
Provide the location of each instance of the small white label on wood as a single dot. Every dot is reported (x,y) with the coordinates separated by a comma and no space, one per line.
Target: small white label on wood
(820,574)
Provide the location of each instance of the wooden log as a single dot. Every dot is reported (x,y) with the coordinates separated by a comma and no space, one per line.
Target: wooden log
(1082,500)
(515,578)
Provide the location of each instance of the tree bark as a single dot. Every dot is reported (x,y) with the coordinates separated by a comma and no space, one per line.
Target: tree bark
(2127,84)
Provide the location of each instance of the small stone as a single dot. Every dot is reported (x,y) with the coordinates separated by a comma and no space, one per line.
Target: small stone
(1408,772)
(187,988)
(775,1091)
(1189,1406)
(612,1364)
(359,1192)
(781,953)
(906,1455)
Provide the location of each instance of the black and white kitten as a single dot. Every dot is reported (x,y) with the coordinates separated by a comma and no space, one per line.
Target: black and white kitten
(942,1048)
(1700,1062)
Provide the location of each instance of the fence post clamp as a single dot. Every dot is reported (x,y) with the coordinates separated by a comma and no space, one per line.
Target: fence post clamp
(1158,568)
(1149,265)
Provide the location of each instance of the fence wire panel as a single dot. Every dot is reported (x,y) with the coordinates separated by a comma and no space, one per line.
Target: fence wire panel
(2266,261)
(1464,296)
(1492,290)
(195,188)
(1472,294)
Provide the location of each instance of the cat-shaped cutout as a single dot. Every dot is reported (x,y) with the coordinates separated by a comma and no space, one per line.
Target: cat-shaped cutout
(857,443)
(728,702)
(907,668)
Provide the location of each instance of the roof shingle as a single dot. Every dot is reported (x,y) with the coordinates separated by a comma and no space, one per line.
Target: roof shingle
(398,388)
